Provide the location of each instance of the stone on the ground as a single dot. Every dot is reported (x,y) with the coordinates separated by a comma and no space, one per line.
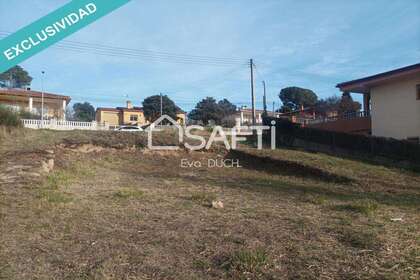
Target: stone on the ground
(47,166)
(217,204)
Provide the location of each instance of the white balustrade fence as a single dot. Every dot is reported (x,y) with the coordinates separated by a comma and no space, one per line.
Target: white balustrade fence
(63,125)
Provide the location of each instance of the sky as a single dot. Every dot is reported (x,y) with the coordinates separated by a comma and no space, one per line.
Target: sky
(305,43)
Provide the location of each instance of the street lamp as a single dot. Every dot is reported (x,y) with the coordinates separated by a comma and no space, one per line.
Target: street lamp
(42,98)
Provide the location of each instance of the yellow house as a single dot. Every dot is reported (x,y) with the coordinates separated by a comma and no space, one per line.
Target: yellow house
(31,101)
(129,115)
(181,117)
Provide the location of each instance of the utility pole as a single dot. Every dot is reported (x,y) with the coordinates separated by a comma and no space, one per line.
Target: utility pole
(42,98)
(252,91)
(274,105)
(265,98)
(161,105)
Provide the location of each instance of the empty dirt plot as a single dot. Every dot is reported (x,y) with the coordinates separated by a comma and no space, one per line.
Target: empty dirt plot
(110,209)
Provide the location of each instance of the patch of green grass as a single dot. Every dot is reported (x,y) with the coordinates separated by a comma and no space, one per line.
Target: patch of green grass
(57,179)
(128,193)
(50,190)
(366,207)
(82,170)
(203,198)
(316,199)
(54,196)
(6,271)
(247,262)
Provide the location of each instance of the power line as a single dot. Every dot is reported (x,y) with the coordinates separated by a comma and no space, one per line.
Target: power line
(142,57)
(142,54)
(99,46)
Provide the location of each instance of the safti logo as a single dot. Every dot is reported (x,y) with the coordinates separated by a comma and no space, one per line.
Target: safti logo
(219,134)
(156,126)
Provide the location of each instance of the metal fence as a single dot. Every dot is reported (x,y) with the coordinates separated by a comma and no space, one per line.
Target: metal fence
(347,116)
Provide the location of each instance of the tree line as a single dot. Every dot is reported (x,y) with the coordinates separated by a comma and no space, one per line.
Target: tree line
(296,98)
(206,110)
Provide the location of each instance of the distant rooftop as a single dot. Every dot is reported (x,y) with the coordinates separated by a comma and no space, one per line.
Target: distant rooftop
(32,93)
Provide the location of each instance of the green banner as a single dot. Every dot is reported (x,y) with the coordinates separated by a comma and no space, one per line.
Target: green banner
(52,28)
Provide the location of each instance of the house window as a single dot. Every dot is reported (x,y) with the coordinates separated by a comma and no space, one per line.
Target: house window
(418,92)
(134,118)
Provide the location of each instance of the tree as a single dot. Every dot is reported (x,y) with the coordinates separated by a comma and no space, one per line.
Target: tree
(69,113)
(207,110)
(347,105)
(343,105)
(327,105)
(83,112)
(151,107)
(16,77)
(294,98)
(226,107)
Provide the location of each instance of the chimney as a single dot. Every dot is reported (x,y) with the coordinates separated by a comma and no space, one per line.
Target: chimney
(129,105)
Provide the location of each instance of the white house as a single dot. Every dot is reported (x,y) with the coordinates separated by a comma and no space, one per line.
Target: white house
(393,100)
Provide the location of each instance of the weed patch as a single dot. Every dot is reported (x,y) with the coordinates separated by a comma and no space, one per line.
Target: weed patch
(54,196)
(82,170)
(315,199)
(201,264)
(362,239)
(366,207)
(128,193)
(57,179)
(246,264)
(203,198)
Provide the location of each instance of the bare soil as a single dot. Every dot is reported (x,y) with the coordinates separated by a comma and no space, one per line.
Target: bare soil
(109,208)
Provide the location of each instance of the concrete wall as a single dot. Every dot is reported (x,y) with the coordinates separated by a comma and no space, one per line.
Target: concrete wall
(396,110)
(354,126)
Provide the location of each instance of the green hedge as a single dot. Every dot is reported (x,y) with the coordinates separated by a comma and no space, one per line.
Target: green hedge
(287,132)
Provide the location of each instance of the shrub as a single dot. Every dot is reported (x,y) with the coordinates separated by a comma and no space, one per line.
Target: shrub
(29,115)
(9,117)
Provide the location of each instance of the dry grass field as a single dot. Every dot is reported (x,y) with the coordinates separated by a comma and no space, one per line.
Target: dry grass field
(79,205)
